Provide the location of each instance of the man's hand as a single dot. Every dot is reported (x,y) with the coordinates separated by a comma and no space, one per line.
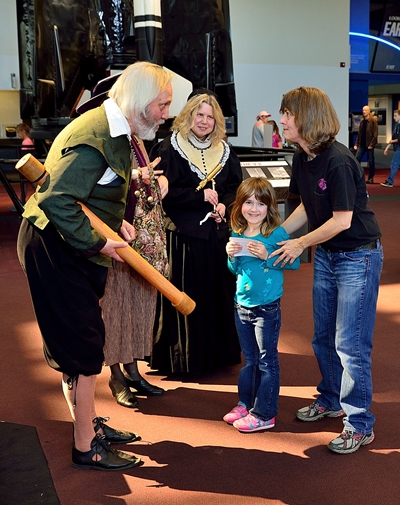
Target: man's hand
(110,249)
(144,172)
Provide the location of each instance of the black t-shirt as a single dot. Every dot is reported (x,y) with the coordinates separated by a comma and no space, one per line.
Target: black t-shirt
(335,181)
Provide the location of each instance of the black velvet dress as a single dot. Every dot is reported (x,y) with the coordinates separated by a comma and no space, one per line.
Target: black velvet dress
(206,338)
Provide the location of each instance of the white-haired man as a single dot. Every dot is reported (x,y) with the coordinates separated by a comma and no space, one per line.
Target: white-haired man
(66,261)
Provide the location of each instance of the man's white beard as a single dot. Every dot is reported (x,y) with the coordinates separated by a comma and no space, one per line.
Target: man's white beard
(146,128)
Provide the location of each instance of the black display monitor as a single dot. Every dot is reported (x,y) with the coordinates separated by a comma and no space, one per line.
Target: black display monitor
(386,57)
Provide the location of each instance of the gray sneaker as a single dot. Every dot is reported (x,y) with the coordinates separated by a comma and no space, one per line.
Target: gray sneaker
(387,184)
(316,411)
(350,441)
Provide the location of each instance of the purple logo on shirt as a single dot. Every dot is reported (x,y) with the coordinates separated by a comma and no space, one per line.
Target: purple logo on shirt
(322,184)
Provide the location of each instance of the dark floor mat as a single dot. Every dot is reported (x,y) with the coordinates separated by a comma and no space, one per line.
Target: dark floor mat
(24,474)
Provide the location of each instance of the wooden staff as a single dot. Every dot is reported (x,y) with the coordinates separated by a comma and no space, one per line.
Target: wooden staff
(34,171)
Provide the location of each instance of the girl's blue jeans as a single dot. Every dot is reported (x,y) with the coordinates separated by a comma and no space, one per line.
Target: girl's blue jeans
(259,380)
(345,294)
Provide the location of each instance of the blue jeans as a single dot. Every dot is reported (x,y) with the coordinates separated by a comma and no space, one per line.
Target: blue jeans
(371,159)
(394,166)
(345,293)
(259,379)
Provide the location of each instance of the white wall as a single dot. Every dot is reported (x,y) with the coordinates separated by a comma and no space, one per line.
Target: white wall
(8,45)
(9,96)
(278,46)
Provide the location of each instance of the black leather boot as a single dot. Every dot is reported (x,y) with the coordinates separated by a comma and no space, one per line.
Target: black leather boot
(122,394)
(143,387)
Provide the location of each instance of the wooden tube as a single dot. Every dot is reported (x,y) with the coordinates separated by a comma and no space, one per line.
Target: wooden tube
(34,171)
(209,177)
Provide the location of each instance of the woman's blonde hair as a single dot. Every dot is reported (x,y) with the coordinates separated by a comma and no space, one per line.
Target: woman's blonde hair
(185,119)
(314,117)
(138,86)
(262,189)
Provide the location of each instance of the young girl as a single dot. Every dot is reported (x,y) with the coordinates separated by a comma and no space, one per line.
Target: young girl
(256,229)
(23,132)
(276,136)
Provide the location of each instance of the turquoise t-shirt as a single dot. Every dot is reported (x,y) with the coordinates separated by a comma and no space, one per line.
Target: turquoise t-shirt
(259,282)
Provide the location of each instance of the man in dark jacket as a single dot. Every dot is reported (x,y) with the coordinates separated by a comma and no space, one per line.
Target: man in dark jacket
(366,140)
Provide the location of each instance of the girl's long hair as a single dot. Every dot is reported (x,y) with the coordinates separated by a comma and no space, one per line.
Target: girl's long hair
(262,189)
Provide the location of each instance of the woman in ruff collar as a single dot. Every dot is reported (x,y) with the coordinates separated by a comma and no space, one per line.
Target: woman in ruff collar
(197,232)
